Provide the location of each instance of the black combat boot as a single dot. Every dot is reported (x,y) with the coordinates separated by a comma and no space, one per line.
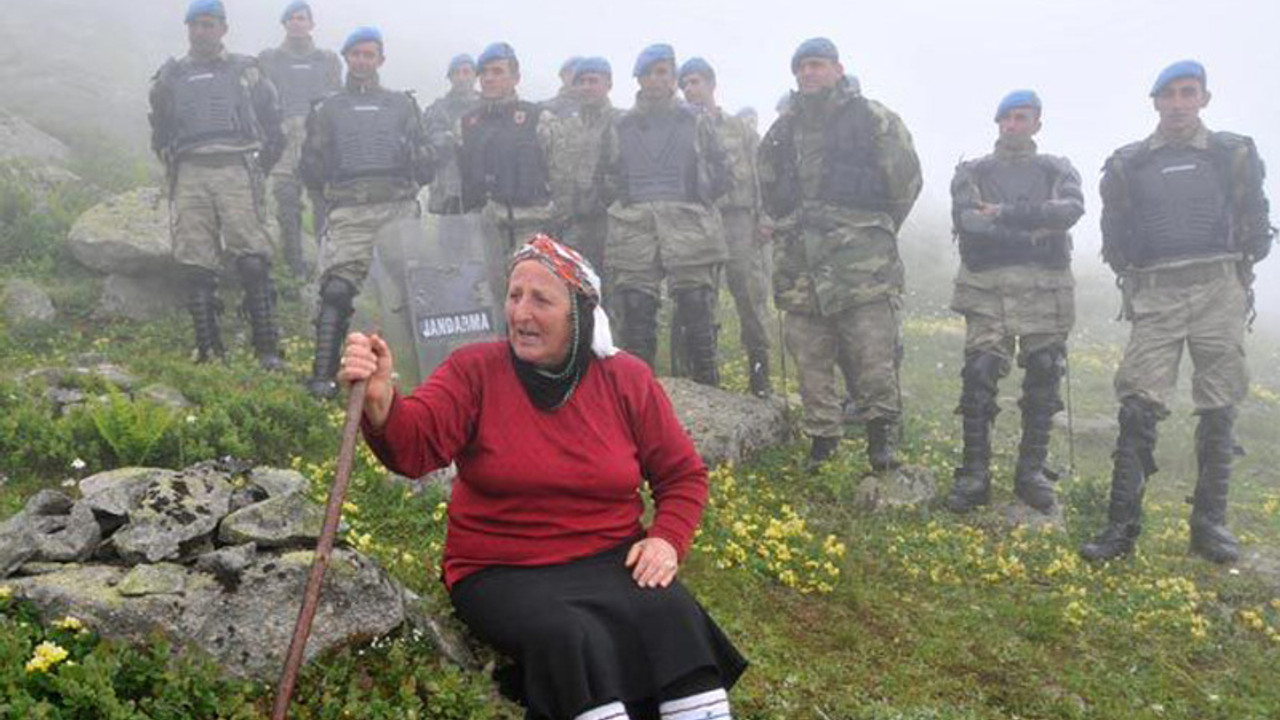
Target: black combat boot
(971,486)
(1210,538)
(1040,401)
(1134,463)
(758,379)
(336,296)
(203,303)
(696,310)
(820,452)
(640,325)
(259,305)
(882,444)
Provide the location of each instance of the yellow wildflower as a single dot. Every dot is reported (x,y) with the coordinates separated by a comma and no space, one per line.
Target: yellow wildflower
(6,592)
(47,655)
(68,623)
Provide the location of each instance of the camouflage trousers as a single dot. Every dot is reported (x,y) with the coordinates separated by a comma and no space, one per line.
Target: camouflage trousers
(286,186)
(746,276)
(586,234)
(1198,306)
(218,211)
(867,340)
(682,243)
(351,233)
(1014,311)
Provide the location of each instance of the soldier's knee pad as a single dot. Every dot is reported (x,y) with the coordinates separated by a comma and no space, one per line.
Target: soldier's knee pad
(982,371)
(254,269)
(1046,364)
(337,292)
(198,278)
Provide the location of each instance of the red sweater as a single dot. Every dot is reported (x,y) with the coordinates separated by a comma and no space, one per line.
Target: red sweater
(537,487)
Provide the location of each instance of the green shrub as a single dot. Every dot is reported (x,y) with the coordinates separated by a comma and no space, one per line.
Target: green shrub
(132,429)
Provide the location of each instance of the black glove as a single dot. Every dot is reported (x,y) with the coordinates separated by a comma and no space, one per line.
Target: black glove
(1022,214)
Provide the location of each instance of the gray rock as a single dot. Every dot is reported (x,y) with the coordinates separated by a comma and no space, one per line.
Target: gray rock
(158,579)
(127,234)
(164,395)
(48,502)
(228,563)
(26,302)
(63,399)
(113,374)
(447,639)
(1016,514)
(175,517)
(117,492)
(282,521)
(143,298)
(74,541)
(725,426)
(20,140)
(17,546)
(32,569)
(907,486)
(276,482)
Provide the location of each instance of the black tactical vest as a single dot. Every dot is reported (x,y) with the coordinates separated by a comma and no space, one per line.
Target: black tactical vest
(659,156)
(209,104)
(851,176)
(300,80)
(367,135)
(1008,183)
(1179,208)
(501,159)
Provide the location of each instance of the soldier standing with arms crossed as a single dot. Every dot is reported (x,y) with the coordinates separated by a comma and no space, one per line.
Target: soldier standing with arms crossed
(1184,219)
(302,74)
(664,169)
(1011,212)
(367,153)
(215,124)
(838,175)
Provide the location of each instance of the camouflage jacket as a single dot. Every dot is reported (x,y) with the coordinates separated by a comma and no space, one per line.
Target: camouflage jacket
(712,172)
(575,151)
(741,146)
(1248,223)
(830,257)
(440,120)
(316,149)
(262,105)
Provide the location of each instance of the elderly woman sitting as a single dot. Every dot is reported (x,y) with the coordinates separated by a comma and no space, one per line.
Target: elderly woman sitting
(553,431)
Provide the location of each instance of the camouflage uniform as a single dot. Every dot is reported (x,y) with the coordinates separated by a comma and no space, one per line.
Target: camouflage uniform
(564,104)
(502,161)
(215,123)
(1015,290)
(837,272)
(302,74)
(1184,220)
(367,152)
(441,119)
(745,271)
(581,214)
(653,235)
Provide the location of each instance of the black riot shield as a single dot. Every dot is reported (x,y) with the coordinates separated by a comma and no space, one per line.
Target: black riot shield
(434,290)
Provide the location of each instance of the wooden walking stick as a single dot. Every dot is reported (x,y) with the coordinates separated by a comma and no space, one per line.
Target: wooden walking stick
(333,514)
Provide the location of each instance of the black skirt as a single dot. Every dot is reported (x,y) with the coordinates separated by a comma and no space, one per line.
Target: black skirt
(583,634)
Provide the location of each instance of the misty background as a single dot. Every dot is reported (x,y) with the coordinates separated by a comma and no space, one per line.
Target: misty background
(79,67)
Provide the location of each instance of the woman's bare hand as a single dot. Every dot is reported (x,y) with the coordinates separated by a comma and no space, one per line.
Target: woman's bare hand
(653,562)
(367,357)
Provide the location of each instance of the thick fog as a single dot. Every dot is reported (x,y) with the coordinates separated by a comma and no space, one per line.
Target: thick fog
(942,66)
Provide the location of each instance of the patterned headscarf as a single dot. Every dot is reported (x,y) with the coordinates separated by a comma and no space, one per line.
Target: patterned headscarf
(577,274)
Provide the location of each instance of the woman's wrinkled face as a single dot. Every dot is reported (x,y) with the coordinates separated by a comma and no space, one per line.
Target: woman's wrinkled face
(539,315)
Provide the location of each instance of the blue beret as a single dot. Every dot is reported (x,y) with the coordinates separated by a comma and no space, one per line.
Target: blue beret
(206,7)
(652,54)
(698,66)
(362,35)
(458,61)
(496,51)
(818,47)
(293,7)
(592,65)
(1180,69)
(1017,99)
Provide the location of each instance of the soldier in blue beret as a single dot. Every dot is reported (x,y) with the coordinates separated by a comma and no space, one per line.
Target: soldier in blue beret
(1184,220)
(441,118)
(215,123)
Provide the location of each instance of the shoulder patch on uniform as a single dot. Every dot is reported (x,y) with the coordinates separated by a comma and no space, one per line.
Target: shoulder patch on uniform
(519,117)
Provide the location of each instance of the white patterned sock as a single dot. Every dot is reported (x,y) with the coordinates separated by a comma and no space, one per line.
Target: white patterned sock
(611,711)
(710,705)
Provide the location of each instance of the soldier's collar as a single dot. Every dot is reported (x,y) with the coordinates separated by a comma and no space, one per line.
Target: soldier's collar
(298,47)
(365,86)
(1198,139)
